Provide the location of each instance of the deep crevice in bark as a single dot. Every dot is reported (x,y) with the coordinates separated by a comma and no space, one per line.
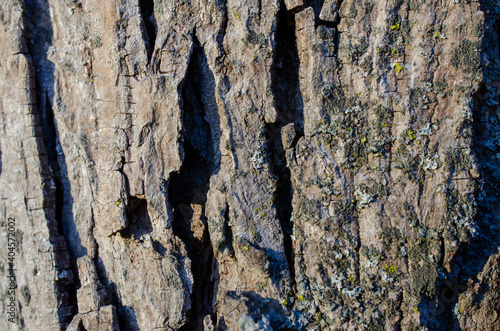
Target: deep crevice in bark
(149,32)
(289,105)
(188,190)
(125,315)
(317,5)
(222,6)
(139,223)
(227,231)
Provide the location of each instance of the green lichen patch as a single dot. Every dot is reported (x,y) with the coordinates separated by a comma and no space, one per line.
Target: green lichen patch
(384,120)
(333,98)
(416,97)
(466,57)
(367,64)
(356,152)
(390,51)
(396,37)
(461,212)
(325,34)
(391,238)
(254,38)
(407,163)
(334,257)
(96,42)
(410,215)
(353,12)
(345,211)
(415,4)
(441,87)
(308,211)
(457,160)
(478,29)
(422,270)
(346,123)
(353,52)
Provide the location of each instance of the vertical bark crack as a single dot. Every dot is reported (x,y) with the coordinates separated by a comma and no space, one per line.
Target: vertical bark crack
(188,189)
(289,106)
(149,20)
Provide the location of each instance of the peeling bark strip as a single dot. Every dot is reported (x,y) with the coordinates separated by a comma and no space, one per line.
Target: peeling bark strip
(341,156)
(38,34)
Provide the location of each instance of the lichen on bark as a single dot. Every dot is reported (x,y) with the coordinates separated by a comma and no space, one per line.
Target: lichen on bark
(250,165)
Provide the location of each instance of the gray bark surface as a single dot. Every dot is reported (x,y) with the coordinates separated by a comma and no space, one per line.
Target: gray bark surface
(250,165)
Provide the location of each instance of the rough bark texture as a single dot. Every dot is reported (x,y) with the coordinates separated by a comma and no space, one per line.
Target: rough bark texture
(250,165)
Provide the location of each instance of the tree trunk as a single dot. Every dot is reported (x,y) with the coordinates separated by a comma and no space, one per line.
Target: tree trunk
(250,165)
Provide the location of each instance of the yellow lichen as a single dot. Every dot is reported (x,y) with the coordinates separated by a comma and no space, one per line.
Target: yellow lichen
(390,269)
(411,134)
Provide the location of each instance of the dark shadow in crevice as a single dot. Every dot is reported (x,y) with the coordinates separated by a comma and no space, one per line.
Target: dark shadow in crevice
(126,314)
(285,74)
(259,306)
(222,8)
(188,188)
(227,231)
(221,324)
(127,319)
(317,6)
(150,27)
(139,223)
(81,327)
(289,105)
